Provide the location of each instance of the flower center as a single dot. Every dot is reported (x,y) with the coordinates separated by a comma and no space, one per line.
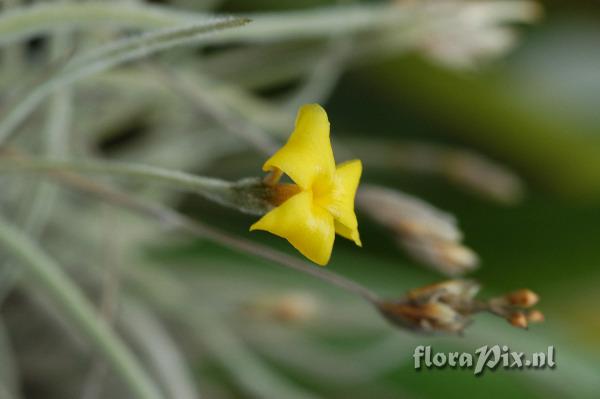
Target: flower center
(321,188)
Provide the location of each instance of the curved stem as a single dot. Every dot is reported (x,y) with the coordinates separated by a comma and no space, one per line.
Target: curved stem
(45,196)
(176,220)
(273,255)
(45,272)
(37,19)
(209,187)
(106,57)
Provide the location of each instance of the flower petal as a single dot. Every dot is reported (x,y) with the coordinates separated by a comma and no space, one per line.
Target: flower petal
(351,234)
(340,199)
(309,228)
(307,156)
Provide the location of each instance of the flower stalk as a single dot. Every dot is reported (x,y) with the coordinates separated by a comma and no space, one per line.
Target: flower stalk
(173,220)
(445,307)
(249,195)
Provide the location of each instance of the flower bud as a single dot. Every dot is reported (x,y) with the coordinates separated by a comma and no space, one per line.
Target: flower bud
(426,317)
(448,257)
(523,298)
(407,215)
(483,176)
(518,319)
(449,305)
(444,306)
(295,307)
(451,291)
(535,316)
(291,307)
(428,234)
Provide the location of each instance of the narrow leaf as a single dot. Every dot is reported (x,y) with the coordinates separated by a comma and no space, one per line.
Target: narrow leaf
(46,276)
(109,56)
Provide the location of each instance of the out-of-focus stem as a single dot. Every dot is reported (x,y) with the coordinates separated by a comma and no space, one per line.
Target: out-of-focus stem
(56,142)
(250,372)
(175,220)
(204,101)
(465,168)
(106,57)
(247,195)
(121,169)
(67,295)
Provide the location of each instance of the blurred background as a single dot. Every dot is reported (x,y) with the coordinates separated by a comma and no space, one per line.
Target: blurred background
(485,110)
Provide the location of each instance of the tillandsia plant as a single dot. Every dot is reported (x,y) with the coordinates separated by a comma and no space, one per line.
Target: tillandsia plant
(308,213)
(155,109)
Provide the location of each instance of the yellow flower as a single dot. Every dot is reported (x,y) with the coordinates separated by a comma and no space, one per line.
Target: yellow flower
(321,202)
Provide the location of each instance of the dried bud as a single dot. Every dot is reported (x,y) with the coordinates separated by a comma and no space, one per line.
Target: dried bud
(512,307)
(289,307)
(522,298)
(449,305)
(442,307)
(518,319)
(456,292)
(483,176)
(295,307)
(482,30)
(407,215)
(535,316)
(429,235)
(445,256)
(425,317)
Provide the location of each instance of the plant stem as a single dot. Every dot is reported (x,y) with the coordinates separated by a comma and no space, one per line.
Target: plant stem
(204,101)
(57,285)
(220,191)
(175,220)
(106,57)
(56,138)
(268,253)
(249,371)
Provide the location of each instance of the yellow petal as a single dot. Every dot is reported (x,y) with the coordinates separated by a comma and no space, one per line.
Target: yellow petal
(309,228)
(307,156)
(339,201)
(351,234)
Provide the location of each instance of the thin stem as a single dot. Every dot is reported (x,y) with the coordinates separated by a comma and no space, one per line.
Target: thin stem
(250,372)
(109,299)
(204,101)
(10,378)
(207,186)
(462,167)
(106,57)
(220,340)
(56,138)
(162,350)
(324,76)
(40,18)
(25,22)
(268,253)
(67,295)
(175,220)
